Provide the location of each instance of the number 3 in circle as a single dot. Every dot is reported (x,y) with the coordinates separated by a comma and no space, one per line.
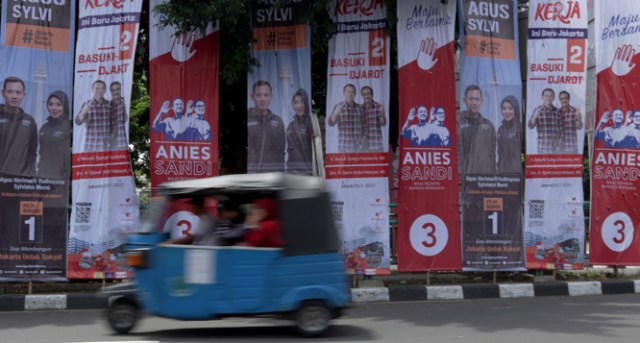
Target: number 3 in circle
(428,235)
(617,231)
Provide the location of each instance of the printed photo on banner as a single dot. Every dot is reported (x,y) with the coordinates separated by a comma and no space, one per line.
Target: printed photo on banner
(359,124)
(619,129)
(178,125)
(27,150)
(429,129)
(482,148)
(274,146)
(104,120)
(556,125)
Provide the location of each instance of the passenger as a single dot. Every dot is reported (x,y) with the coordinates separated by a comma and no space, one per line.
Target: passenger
(203,235)
(263,224)
(229,227)
(227,230)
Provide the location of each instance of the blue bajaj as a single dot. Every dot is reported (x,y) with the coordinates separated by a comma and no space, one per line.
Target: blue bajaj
(304,280)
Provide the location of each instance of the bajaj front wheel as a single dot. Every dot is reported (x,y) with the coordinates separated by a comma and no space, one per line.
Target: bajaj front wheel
(122,315)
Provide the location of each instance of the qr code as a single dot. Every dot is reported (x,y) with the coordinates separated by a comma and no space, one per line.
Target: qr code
(337,209)
(536,209)
(83,213)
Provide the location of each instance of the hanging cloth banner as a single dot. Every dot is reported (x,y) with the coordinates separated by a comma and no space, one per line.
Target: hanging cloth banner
(283,133)
(557,75)
(104,201)
(183,74)
(35,128)
(428,210)
(357,135)
(615,176)
(490,136)
(184,87)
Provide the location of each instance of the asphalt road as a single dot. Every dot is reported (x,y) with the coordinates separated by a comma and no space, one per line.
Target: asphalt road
(612,318)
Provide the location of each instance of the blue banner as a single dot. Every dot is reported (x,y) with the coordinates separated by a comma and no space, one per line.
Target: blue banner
(36,50)
(489,127)
(283,132)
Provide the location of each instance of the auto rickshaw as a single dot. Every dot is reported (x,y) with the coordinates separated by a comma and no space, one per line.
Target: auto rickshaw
(305,280)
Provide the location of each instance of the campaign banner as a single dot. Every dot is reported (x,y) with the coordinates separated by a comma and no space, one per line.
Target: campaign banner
(104,201)
(283,132)
(428,207)
(489,134)
(184,87)
(357,133)
(615,172)
(36,49)
(556,89)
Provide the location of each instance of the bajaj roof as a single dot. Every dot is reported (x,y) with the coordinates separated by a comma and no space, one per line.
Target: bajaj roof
(245,182)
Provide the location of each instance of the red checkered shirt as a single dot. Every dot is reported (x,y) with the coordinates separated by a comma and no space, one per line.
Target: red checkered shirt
(570,131)
(349,122)
(373,126)
(119,112)
(549,127)
(100,124)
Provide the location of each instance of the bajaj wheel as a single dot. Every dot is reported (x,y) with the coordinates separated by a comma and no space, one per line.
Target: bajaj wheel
(313,318)
(122,315)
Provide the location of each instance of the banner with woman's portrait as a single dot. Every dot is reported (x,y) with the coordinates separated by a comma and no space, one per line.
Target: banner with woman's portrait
(35,159)
(357,133)
(490,136)
(428,215)
(615,164)
(283,131)
(104,199)
(555,121)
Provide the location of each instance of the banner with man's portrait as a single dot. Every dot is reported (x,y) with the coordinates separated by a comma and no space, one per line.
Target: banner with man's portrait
(184,86)
(283,132)
(104,199)
(35,142)
(615,171)
(490,136)
(428,214)
(357,133)
(555,117)
(184,83)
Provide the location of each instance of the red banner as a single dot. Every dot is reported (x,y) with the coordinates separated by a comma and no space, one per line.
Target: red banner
(615,176)
(428,216)
(184,103)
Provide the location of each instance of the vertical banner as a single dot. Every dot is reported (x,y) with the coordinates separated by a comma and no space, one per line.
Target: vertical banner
(357,134)
(556,91)
(36,49)
(428,214)
(615,173)
(104,201)
(184,102)
(490,136)
(283,133)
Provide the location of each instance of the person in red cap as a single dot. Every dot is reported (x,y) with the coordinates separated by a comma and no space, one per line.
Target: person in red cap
(263,224)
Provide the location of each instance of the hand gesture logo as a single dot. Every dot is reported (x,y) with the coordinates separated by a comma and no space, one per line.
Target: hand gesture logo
(622,64)
(182,49)
(426,54)
(166,106)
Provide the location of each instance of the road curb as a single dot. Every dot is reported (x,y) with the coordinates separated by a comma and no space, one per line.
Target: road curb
(484,291)
(84,301)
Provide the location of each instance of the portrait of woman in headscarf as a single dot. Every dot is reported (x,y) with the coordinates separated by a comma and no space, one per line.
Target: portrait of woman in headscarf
(55,138)
(300,136)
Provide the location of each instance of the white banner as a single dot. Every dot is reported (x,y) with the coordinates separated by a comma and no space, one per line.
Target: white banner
(357,134)
(555,118)
(105,206)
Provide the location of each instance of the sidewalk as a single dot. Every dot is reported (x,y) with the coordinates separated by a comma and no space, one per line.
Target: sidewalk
(391,288)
